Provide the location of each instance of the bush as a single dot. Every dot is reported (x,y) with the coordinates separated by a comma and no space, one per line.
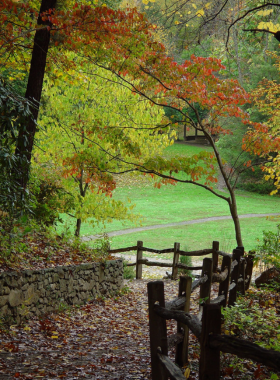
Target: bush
(128,272)
(268,252)
(257,187)
(252,318)
(14,114)
(48,195)
(186,260)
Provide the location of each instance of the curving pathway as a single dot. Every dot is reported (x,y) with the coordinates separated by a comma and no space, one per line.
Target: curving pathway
(184,223)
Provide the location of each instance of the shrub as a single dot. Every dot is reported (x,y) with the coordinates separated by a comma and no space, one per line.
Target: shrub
(128,272)
(257,187)
(48,195)
(268,252)
(14,113)
(252,318)
(186,260)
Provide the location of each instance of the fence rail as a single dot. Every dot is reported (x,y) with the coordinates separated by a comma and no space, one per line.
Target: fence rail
(207,331)
(177,252)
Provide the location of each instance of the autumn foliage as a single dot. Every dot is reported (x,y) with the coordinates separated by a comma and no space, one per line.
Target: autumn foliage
(123,43)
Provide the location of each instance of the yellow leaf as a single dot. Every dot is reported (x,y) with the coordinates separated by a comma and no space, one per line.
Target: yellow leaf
(194,6)
(26,328)
(265,12)
(187,373)
(200,13)
(54,337)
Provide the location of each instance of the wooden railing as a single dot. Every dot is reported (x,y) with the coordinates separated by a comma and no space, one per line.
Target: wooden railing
(175,265)
(240,266)
(208,332)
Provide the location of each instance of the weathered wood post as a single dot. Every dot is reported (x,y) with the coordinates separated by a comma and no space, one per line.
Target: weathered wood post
(241,249)
(249,269)
(236,255)
(209,363)
(205,288)
(139,256)
(241,285)
(158,331)
(185,289)
(175,261)
(224,286)
(215,256)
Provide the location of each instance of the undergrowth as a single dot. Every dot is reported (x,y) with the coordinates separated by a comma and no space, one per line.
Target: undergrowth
(256,318)
(25,244)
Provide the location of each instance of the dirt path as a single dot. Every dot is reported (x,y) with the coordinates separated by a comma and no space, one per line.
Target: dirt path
(184,223)
(105,339)
(157,273)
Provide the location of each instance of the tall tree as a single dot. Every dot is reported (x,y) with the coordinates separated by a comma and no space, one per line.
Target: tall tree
(98,33)
(88,130)
(33,93)
(265,140)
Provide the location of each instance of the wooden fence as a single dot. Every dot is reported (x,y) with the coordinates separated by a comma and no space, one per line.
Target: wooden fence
(139,248)
(208,332)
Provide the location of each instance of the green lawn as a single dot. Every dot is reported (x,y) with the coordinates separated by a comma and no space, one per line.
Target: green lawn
(186,202)
(199,236)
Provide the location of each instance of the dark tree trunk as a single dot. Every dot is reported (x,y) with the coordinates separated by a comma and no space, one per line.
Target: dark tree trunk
(78,227)
(34,90)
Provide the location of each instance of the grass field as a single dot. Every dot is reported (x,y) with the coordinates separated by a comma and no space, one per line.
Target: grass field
(185,202)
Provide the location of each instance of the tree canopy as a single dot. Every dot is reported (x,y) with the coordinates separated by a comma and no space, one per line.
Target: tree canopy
(126,46)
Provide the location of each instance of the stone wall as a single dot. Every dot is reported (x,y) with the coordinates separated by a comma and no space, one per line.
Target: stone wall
(36,292)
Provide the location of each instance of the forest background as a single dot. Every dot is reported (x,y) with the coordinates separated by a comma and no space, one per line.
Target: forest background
(119,83)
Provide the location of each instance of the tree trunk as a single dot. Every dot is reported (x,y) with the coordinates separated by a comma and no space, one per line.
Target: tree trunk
(236,221)
(232,200)
(238,61)
(78,227)
(33,91)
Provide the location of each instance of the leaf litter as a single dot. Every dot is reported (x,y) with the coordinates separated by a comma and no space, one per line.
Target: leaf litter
(104,339)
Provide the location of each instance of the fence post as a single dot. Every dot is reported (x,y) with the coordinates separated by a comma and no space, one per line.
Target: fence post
(241,274)
(241,285)
(139,256)
(241,249)
(223,288)
(249,269)
(236,255)
(158,331)
(209,363)
(215,256)
(175,261)
(205,289)
(185,289)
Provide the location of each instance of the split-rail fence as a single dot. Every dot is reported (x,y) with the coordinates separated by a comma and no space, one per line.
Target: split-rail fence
(234,275)
(177,252)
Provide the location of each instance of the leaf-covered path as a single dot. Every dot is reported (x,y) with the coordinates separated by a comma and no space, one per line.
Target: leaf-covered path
(108,339)
(105,339)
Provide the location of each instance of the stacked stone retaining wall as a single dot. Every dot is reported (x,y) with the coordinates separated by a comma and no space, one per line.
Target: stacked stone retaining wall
(37,292)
